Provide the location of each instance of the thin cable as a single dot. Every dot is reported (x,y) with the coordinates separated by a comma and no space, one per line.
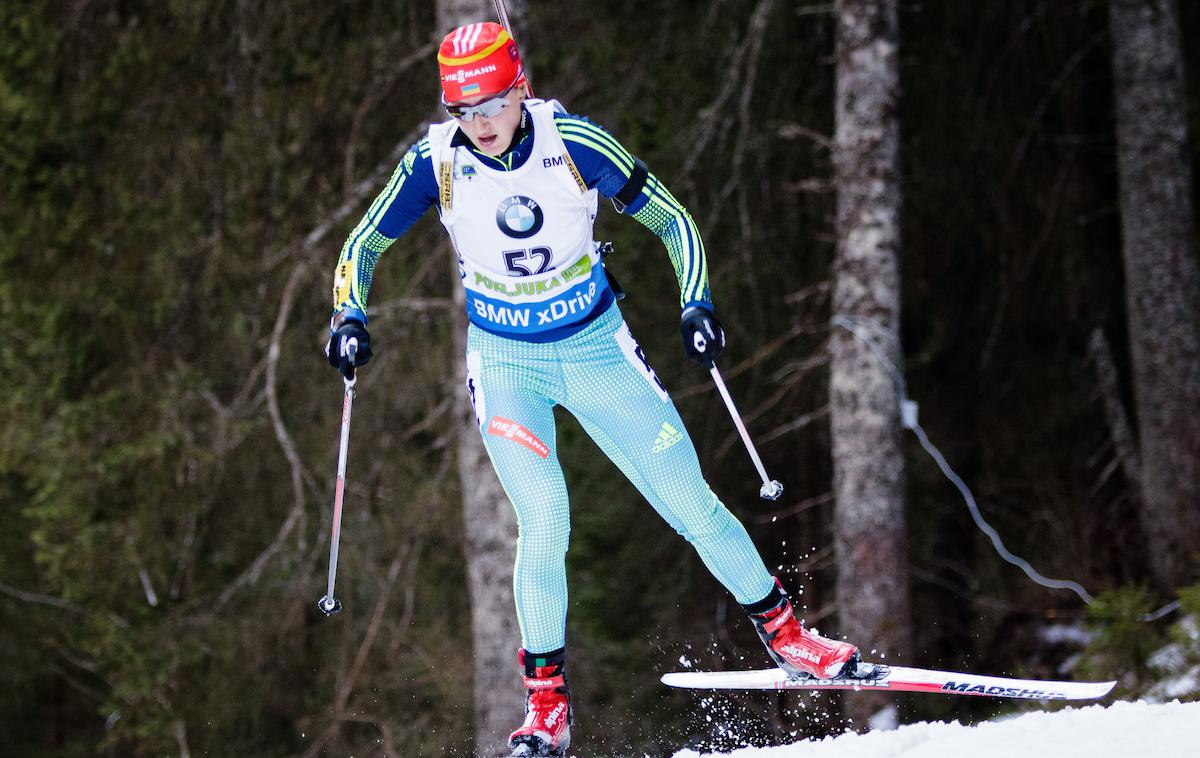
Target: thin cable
(871,333)
(986,528)
(1156,615)
(855,326)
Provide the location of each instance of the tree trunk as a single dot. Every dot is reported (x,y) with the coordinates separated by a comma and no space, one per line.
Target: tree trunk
(491,525)
(454,13)
(491,545)
(868,468)
(1162,278)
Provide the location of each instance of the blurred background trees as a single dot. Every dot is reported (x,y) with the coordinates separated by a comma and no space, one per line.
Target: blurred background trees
(1162,277)
(178,178)
(870,533)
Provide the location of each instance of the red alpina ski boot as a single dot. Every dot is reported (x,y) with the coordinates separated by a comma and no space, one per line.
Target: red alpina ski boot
(548,716)
(796,650)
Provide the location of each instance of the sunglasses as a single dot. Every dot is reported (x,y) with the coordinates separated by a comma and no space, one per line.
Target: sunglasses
(489,108)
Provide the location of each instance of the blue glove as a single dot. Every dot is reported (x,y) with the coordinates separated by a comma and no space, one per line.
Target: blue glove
(703,336)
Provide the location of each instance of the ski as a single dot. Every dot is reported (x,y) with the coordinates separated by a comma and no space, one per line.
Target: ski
(525,751)
(895,679)
(531,746)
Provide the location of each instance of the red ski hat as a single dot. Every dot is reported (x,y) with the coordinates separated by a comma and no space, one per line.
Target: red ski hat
(478,59)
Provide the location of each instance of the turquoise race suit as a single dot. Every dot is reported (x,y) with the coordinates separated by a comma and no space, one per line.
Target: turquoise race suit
(545,330)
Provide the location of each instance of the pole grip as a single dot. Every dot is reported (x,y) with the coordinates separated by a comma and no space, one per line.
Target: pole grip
(352,354)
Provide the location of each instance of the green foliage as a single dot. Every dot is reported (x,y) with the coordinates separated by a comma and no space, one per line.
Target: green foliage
(1122,641)
(1189,607)
(1176,666)
(1155,660)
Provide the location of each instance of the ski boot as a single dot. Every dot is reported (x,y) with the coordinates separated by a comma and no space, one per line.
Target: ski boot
(799,652)
(548,713)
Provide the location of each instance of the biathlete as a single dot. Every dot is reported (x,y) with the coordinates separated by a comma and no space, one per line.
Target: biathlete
(515,182)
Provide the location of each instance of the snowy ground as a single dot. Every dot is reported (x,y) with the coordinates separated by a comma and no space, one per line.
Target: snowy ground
(1122,730)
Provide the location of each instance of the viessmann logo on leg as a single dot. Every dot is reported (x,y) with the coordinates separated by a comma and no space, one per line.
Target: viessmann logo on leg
(502,427)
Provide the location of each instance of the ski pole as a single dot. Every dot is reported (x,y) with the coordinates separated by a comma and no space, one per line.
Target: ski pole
(328,604)
(771,489)
(502,13)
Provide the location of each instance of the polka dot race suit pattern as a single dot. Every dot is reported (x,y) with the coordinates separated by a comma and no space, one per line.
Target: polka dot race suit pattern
(600,375)
(545,331)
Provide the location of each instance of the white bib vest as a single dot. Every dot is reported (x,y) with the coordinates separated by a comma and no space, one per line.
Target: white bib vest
(523,237)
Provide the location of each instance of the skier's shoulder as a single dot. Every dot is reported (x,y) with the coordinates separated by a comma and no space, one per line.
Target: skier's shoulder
(575,127)
(436,136)
(421,147)
(409,193)
(590,143)
(417,162)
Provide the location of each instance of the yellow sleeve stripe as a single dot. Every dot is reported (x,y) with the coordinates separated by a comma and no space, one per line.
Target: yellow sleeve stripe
(693,260)
(383,200)
(365,232)
(697,264)
(596,132)
(661,190)
(598,140)
(625,163)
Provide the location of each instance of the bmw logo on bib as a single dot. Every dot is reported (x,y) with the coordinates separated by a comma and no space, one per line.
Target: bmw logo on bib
(519,216)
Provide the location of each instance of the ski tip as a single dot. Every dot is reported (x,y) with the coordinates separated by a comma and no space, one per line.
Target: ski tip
(1090,690)
(1108,687)
(687,679)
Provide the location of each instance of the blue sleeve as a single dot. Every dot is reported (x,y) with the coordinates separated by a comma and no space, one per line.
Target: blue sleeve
(606,166)
(405,198)
(603,162)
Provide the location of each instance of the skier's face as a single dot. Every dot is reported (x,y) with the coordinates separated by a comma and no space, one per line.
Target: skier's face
(494,135)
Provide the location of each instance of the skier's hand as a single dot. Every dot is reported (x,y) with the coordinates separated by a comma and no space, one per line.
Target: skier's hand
(337,349)
(703,337)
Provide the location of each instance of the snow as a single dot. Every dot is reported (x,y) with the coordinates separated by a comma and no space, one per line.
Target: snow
(885,719)
(1121,730)
(1060,634)
(1178,674)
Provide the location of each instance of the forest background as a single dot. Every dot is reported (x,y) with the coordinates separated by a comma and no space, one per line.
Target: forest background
(178,179)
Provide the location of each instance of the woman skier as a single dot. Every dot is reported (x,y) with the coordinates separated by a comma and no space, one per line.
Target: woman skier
(515,182)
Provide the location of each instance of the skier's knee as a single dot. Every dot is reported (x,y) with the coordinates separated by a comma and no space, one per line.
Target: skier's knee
(537,536)
(707,524)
